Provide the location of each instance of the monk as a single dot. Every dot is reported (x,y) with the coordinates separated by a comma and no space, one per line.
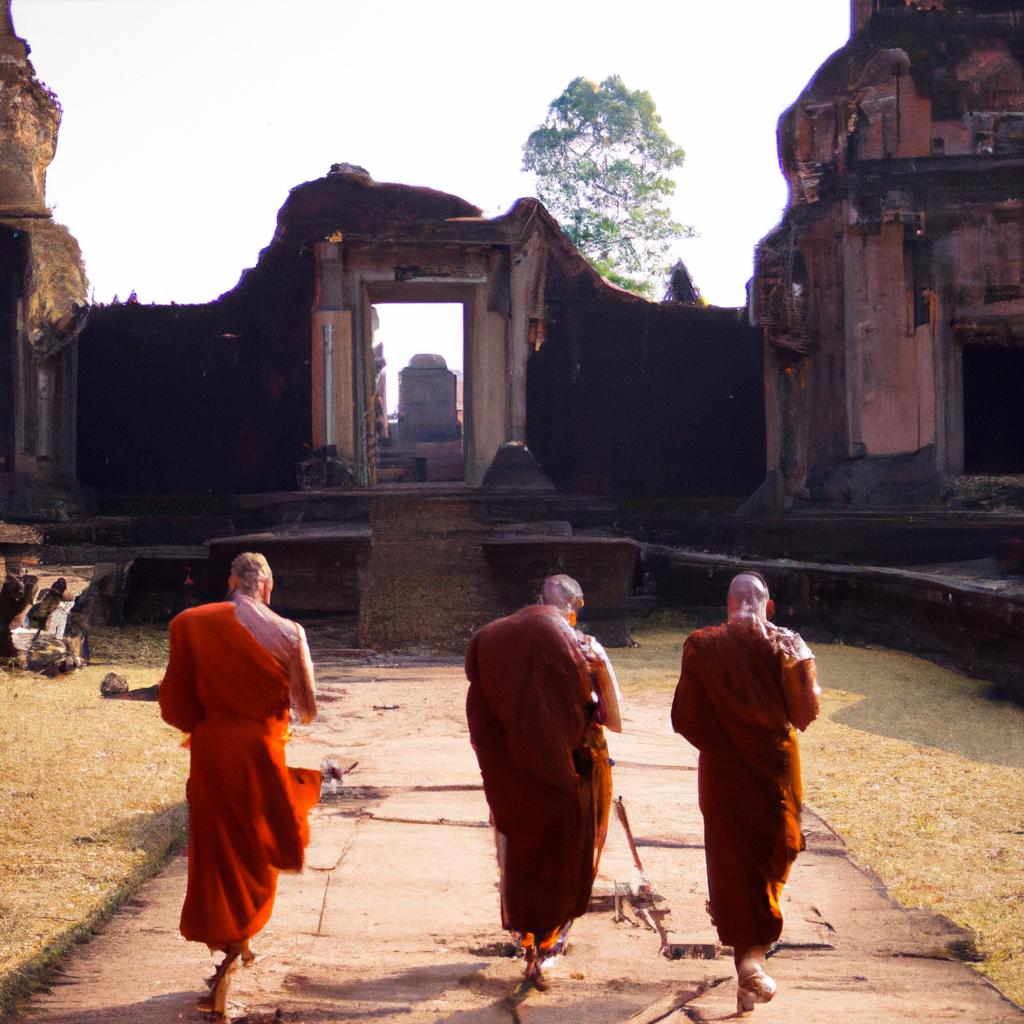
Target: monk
(236,670)
(532,711)
(744,690)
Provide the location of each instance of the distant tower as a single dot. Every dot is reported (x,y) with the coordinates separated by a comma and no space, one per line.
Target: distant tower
(42,300)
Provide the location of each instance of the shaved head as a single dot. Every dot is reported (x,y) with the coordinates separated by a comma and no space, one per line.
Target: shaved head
(251,575)
(748,597)
(746,580)
(565,594)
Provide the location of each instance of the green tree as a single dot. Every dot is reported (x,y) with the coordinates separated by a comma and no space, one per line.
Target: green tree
(601,159)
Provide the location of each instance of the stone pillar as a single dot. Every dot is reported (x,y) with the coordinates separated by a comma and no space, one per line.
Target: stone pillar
(331,349)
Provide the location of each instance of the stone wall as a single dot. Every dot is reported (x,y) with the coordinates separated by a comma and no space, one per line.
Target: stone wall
(972,628)
(643,398)
(191,399)
(615,394)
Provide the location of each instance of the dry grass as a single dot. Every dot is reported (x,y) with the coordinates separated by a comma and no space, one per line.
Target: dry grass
(90,803)
(919,771)
(129,646)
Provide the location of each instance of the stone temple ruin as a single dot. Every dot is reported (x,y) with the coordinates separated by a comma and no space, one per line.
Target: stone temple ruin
(42,299)
(611,393)
(892,292)
(835,434)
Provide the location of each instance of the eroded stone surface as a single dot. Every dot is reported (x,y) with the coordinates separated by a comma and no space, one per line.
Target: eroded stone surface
(892,292)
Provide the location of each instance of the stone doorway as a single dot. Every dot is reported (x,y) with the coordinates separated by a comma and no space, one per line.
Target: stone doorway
(418,360)
(993,378)
(12,279)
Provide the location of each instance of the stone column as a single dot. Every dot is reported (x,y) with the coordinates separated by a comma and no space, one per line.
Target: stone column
(331,363)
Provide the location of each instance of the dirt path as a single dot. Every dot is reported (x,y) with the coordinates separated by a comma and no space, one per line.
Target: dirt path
(396,917)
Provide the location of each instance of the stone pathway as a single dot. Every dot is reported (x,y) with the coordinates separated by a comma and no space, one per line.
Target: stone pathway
(396,916)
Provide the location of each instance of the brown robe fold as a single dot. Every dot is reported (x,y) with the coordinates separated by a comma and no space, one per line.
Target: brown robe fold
(529,708)
(247,809)
(731,704)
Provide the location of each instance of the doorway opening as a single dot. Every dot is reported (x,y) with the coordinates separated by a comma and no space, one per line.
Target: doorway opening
(418,362)
(993,395)
(12,278)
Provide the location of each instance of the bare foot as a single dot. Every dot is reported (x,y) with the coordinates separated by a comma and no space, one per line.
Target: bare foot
(754,986)
(215,1002)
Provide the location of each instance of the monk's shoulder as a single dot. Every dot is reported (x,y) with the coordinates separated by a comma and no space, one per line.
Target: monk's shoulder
(533,619)
(201,614)
(489,632)
(701,641)
(536,627)
(287,626)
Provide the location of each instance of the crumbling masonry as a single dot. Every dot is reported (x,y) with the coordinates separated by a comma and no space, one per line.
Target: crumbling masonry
(42,300)
(892,292)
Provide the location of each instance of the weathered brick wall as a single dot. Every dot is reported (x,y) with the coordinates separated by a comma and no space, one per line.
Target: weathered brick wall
(426,581)
(642,398)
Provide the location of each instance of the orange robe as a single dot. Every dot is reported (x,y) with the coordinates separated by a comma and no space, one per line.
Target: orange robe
(247,809)
(595,742)
(530,710)
(735,706)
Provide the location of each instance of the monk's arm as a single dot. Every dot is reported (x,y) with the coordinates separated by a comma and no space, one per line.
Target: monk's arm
(690,709)
(607,686)
(301,681)
(179,702)
(800,686)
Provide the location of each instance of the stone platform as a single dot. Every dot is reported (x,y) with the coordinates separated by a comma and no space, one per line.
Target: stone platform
(423,565)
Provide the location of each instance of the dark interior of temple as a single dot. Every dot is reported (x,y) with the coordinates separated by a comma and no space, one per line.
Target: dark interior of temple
(638,399)
(206,401)
(12,270)
(993,410)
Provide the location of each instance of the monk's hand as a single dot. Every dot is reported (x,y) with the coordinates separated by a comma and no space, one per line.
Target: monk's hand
(752,625)
(788,644)
(302,714)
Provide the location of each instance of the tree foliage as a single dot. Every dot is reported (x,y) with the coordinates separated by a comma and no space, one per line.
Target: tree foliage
(601,159)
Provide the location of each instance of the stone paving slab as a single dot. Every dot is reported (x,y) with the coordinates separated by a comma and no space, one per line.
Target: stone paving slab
(396,916)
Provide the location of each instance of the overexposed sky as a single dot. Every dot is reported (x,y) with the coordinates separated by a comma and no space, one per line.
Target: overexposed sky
(407,329)
(187,121)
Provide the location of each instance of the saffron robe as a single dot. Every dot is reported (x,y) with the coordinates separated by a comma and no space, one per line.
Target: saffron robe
(530,709)
(737,702)
(605,687)
(247,809)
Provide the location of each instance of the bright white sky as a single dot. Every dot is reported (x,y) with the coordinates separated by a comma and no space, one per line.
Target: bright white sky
(187,121)
(408,328)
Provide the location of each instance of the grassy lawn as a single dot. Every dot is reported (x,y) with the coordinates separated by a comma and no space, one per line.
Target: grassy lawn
(918,770)
(91,802)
